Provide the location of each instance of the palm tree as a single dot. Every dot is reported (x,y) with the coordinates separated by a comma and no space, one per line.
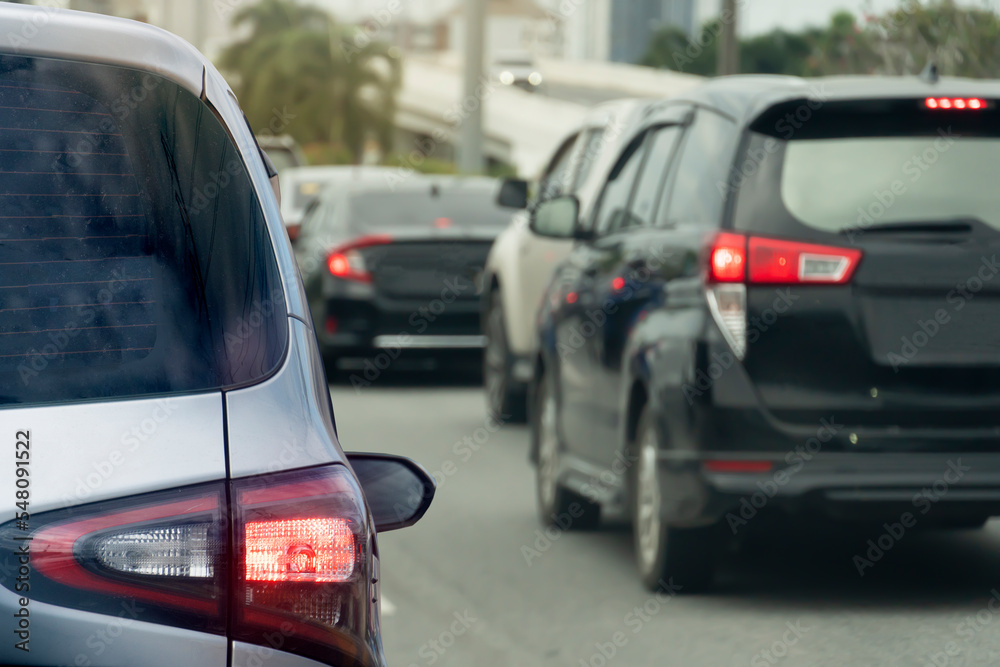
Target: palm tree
(339,89)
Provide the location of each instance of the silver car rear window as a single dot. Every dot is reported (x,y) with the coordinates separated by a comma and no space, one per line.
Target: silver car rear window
(134,259)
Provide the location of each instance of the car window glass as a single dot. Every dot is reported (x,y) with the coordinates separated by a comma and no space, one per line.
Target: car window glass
(647,193)
(121,246)
(592,144)
(612,212)
(555,180)
(698,190)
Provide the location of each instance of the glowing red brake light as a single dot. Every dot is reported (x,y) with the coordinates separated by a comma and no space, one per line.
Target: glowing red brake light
(973,103)
(735,258)
(738,466)
(301,549)
(347,262)
(727,260)
(791,262)
(319,549)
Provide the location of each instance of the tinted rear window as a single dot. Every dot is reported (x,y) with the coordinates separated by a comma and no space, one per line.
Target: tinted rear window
(133,254)
(853,166)
(474,208)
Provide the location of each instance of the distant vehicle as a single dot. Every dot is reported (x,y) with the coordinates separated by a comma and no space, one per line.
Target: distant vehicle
(283,150)
(399,269)
(517,69)
(182,495)
(302,186)
(785,297)
(521,262)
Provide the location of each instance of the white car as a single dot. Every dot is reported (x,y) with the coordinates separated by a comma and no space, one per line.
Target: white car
(301,187)
(517,69)
(521,263)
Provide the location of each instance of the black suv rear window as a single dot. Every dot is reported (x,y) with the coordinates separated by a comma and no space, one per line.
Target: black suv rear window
(133,254)
(851,166)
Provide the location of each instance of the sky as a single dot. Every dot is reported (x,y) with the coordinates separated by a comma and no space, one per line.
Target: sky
(758,16)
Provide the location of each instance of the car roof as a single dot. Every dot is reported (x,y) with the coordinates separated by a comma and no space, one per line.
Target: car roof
(606,113)
(336,172)
(425,184)
(743,98)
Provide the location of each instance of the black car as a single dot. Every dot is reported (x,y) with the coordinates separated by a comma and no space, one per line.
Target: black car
(785,300)
(395,270)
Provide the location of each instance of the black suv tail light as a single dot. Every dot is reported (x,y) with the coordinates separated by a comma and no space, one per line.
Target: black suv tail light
(287,567)
(738,260)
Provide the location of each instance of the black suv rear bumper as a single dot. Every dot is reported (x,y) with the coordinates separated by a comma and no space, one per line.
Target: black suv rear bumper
(866,486)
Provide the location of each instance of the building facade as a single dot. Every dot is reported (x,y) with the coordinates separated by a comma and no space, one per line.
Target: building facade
(620,30)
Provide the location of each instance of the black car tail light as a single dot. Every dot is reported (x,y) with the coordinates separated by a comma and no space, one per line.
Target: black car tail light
(161,556)
(347,262)
(737,260)
(301,548)
(284,563)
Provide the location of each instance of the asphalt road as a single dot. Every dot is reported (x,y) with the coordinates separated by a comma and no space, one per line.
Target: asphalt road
(585,96)
(459,591)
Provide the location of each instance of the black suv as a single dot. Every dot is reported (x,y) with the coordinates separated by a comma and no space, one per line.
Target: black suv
(785,299)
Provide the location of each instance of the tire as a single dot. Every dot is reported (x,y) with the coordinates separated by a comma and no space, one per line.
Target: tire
(665,555)
(503,397)
(557,506)
(333,373)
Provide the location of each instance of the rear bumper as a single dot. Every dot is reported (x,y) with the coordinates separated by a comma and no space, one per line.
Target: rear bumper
(842,485)
(407,342)
(360,328)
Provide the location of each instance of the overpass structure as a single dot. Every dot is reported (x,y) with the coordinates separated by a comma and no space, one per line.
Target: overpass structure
(521,129)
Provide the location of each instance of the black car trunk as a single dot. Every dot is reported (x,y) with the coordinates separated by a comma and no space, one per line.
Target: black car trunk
(912,341)
(449,270)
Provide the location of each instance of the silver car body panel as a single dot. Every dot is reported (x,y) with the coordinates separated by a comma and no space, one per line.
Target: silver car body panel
(282,423)
(292,406)
(92,640)
(248,655)
(86,452)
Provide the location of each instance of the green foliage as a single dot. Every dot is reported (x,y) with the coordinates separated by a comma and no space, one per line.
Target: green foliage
(962,41)
(302,74)
(427,165)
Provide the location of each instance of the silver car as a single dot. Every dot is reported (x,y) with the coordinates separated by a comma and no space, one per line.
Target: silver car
(177,493)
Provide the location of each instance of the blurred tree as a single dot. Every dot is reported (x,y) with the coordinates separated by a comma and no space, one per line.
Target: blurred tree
(962,41)
(302,74)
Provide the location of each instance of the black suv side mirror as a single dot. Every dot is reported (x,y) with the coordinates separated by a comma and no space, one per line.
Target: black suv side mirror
(513,194)
(398,490)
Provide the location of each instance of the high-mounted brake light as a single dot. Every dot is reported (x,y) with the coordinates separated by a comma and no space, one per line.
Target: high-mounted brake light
(973,103)
(347,262)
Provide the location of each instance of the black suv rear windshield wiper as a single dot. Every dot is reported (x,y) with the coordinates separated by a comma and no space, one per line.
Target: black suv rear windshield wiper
(955,226)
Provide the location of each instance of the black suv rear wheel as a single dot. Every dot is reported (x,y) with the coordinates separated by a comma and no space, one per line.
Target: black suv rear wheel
(665,556)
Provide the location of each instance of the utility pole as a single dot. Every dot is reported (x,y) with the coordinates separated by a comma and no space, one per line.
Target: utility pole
(729,41)
(470,140)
